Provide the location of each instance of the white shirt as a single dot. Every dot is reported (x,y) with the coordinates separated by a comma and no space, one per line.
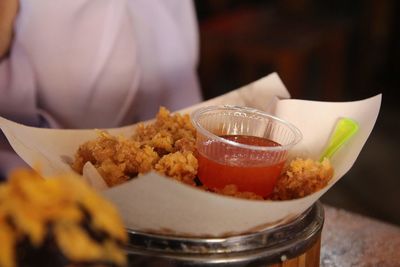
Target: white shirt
(99,63)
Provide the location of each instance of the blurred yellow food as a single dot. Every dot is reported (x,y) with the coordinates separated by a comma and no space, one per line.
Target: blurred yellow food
(83,226)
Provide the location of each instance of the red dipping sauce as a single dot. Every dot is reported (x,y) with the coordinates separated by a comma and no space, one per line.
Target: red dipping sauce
(248,173)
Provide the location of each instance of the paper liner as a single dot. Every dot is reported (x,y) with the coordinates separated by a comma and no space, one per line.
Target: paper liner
(154,203)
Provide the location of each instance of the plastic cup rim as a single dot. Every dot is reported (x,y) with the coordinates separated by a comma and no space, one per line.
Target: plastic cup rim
(296,132)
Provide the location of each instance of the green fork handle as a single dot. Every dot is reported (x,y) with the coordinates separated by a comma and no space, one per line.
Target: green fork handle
(344,130)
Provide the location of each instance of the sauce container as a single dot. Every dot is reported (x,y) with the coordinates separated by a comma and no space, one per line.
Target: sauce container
(241,146)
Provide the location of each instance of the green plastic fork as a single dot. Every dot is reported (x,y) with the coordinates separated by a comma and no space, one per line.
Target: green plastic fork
(344,130)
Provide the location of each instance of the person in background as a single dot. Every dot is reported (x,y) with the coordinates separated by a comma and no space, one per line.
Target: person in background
(94,63)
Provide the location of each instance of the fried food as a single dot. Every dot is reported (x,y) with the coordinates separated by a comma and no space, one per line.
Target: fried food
(169,133)
(116,158)
(57,222)
(167,145)
(169,140)
(181,166)
(303,177)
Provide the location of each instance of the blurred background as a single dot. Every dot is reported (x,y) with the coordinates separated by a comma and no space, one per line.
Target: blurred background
(326,51)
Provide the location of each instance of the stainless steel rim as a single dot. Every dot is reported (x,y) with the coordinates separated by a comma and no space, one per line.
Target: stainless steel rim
(270,245)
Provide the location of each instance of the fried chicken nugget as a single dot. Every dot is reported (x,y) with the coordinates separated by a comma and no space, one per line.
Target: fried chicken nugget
(116,158)
(169,133)
(170,137)
(303,177)
(181,166)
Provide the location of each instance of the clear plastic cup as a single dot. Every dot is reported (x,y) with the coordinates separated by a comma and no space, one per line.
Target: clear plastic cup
(242,146)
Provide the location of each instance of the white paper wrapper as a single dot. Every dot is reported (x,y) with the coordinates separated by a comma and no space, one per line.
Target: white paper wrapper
(153,203)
